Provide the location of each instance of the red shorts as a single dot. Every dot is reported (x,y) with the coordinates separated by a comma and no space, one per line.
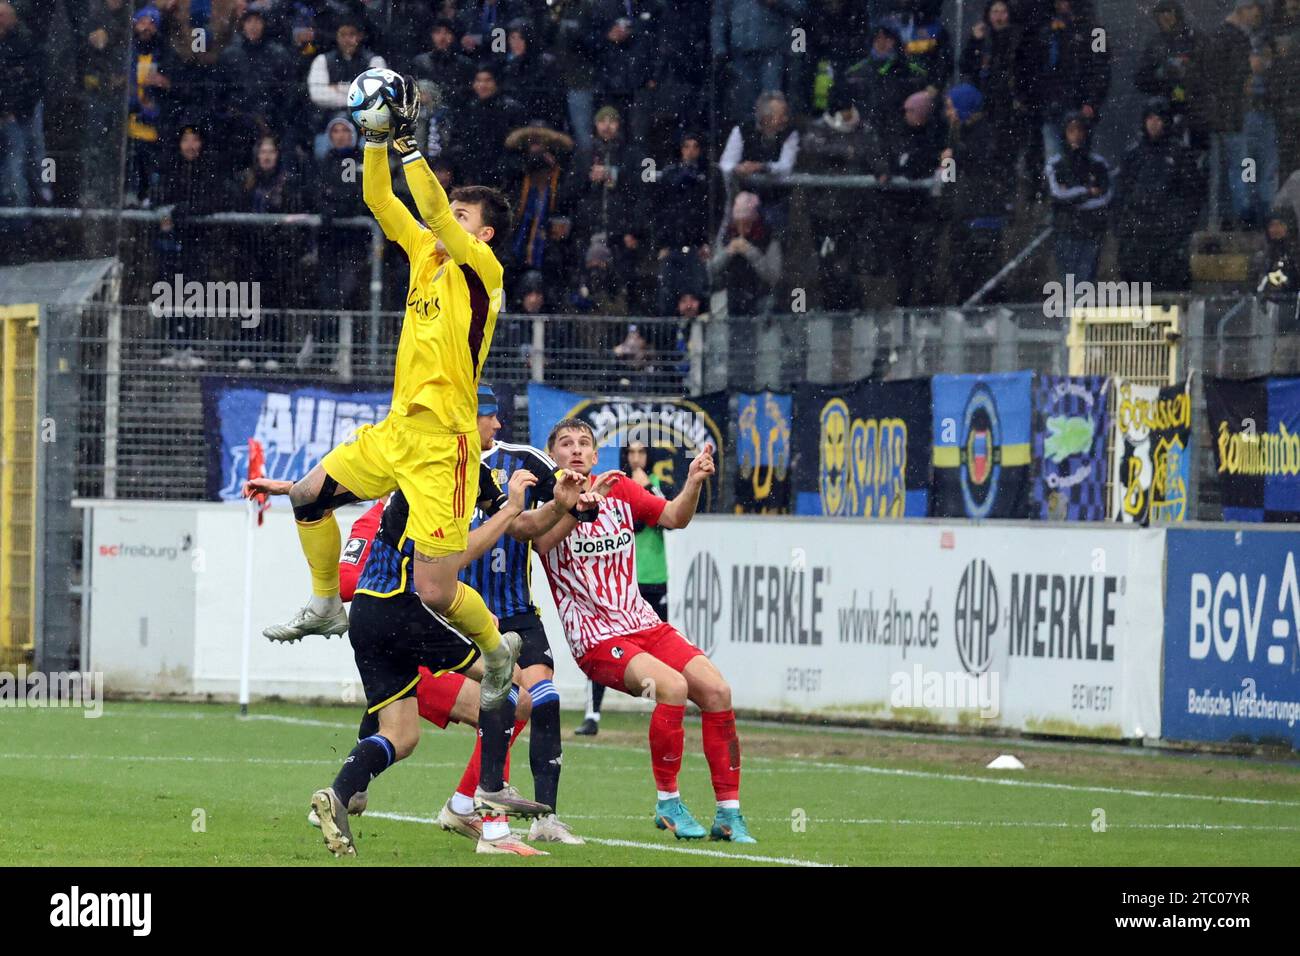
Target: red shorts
(437,695)
(607,661)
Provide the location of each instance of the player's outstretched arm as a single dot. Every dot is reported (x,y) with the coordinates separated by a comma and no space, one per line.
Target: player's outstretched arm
(430,198)
(569,486)
(587,501)
(679,512)
(377,190)
(490,531)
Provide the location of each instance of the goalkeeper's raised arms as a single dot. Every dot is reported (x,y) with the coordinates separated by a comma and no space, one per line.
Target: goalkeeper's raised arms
(403,101)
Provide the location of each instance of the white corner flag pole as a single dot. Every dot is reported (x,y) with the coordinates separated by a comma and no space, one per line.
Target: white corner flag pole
(250,526)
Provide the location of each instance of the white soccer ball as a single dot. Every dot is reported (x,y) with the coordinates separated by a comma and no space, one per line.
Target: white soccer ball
(366,101)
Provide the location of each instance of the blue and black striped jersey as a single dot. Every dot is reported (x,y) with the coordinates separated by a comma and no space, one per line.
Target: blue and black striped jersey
(388,568)
(503,575)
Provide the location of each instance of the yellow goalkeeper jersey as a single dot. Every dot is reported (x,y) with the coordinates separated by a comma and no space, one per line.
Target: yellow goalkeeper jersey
(451,303)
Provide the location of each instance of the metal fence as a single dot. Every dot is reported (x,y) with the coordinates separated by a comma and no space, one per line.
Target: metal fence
(139,398)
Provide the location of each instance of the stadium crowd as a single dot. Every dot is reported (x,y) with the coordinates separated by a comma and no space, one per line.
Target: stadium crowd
(596,117)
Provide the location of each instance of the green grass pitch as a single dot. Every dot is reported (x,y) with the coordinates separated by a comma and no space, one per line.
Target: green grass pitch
(195,785)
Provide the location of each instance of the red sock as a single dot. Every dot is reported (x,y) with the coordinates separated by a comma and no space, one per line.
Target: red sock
(722,751)
(667,740)
(469,781)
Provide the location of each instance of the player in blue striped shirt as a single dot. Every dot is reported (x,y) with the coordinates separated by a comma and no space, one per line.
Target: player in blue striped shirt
(503,575)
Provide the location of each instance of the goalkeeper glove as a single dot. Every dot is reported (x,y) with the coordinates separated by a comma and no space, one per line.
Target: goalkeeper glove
(403,101)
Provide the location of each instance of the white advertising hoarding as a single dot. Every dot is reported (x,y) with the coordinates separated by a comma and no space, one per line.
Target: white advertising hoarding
(1043,629)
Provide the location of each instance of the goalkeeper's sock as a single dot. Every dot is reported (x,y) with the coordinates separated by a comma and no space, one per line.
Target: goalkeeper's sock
(320,543)
(497,726)
(467,613)
(667,740)
(596,696)
(469,779)
(369,758)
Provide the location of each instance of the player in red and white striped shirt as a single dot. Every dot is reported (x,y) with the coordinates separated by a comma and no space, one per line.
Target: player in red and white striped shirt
(619,641)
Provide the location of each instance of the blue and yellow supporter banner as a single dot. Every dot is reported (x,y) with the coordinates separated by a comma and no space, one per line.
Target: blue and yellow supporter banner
(762,466)
(982,445)
(1232,636)
(673,429)
(1255,433)
(1152,453)
(297,424)
(1070,428)
(863,450)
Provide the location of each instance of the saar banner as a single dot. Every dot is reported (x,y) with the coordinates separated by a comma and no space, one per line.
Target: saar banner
(297,425)
(677,427)
(863,450)
(1153,439)
(1232,636)
(762,466)
(1070,430)
(1255,432)
(981,445)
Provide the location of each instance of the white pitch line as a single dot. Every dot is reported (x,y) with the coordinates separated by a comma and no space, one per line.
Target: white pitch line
(167,758)
(1032,824)
(633,844)
(806,766)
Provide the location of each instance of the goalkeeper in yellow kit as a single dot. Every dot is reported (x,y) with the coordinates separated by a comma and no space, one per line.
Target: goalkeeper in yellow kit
(428,444)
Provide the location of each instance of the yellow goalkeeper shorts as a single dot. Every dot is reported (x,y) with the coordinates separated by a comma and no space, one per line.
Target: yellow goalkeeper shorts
(431,467)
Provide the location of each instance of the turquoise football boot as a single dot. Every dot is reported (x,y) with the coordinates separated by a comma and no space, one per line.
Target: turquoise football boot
(730,825)
(672,815)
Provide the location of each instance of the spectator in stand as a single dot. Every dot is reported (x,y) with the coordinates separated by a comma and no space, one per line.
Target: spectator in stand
(840,144)
(268,186)
(332,14)
(881,82)
(835,34)
(333,72)
(479,128)
(20,92)
(193,186)
(924,38)
(1158,194)
(678,211)
(989,63)
(530,78)
(1173,66)
(623,44)
(767,145)
(149,83)
(753,37)
(1068,70)
(909,227)
(256,76)
(1081,187)
(1278,266)
(605,183)
(1230,76)
(677,89)
(1286,74)
(104,81)
(1289,195)
(746,260)
(542,224)
(566,26)
(342,252)
(444,77)
(476,22)
(305,41)
(980,190)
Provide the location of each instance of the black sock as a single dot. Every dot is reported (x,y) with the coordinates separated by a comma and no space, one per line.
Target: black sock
(369,758)
(544,742)
(496,726)
(597,695)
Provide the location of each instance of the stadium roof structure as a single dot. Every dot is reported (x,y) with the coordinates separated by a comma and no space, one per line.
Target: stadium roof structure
(70,282)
